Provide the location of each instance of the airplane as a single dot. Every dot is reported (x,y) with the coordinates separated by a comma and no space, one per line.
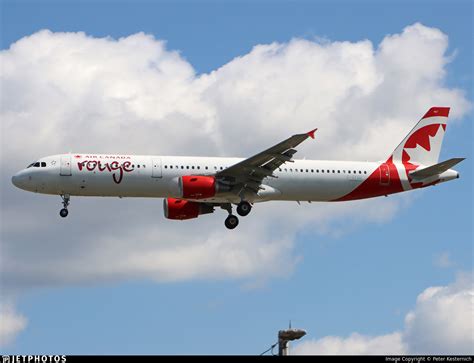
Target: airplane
(192,186)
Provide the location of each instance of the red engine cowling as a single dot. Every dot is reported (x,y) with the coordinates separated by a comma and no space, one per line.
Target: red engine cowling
(197,187)
(183,209)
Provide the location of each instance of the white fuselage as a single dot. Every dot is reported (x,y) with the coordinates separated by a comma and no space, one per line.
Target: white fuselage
(157,176)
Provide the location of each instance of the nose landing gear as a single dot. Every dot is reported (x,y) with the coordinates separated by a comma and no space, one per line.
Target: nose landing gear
(64,212)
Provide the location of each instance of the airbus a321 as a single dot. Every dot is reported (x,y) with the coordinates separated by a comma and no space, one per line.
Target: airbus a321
(192,186)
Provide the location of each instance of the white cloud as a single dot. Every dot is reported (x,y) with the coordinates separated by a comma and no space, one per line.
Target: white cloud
(355,344)
(442,322)
(72,92)
(11,323)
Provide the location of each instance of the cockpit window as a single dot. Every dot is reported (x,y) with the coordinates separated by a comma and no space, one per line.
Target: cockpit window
(38,164)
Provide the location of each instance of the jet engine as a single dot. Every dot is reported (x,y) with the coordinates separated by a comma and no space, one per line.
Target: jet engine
(199,187)
(183,209)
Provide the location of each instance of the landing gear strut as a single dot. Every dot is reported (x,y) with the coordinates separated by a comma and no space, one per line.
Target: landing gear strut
(64,212)
(243,208)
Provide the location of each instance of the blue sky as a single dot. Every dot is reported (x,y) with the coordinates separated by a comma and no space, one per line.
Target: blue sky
(365,280)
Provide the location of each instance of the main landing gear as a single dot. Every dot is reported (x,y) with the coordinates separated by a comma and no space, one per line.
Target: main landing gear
(243,209)
(231,221)
(64,212)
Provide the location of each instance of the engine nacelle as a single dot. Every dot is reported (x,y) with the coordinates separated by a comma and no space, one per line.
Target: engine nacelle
(183,209)
(197,187)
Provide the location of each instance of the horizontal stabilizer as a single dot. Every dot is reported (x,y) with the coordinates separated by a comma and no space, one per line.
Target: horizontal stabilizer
(435,169)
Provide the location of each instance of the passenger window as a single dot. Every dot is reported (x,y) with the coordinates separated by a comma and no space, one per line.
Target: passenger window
(328,171)
(199,167)
(139,166)
(338,171)
(333,171)
(349,171)
(166,166)
(317,170)
(360,172)
(192,167)
(221,168)
(312,170)
(187,166)
(207,168)
(171,166)
(291,170)
(365,172)
(182,167)
(322,170)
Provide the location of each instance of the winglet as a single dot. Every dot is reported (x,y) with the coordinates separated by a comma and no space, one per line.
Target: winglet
(311,133)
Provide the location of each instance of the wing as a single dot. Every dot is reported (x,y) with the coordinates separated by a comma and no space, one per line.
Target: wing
(248,174)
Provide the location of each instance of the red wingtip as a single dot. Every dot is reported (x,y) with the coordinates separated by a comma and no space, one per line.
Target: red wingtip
(311,133)
(437,111)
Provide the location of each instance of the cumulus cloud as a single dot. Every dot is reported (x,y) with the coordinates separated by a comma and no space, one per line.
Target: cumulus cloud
(66,92)
(440,323)
(11,323)
(355,344)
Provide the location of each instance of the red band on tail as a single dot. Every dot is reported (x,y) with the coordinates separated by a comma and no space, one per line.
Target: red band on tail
(437,111)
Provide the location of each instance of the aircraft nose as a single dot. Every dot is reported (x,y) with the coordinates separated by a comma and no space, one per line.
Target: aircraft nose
(19,180)
(15,180)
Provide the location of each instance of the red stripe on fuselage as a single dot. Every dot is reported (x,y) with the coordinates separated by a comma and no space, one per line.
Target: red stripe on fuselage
(371,187)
